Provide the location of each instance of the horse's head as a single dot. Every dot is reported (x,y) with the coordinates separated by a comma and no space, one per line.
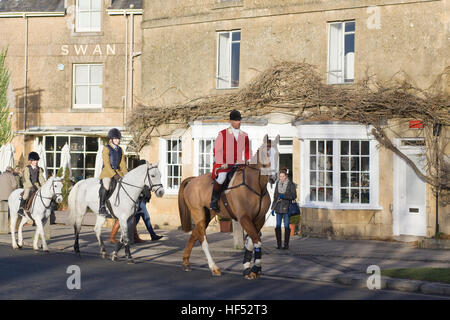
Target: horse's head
(154,179)
(268,157)
(56,188)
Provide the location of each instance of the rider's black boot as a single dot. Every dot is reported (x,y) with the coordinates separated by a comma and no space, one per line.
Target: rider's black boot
(22,206)
(102,210)
(215,197)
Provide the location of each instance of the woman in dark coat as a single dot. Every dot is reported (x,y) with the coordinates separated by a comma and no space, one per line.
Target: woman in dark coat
(285,192)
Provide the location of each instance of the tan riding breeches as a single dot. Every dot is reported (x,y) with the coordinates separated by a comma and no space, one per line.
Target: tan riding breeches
(26,193)
(106,183)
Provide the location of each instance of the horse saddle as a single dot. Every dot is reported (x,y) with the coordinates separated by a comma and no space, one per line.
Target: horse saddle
(29,201)
(225,185)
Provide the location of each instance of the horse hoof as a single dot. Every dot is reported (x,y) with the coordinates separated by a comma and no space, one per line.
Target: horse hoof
(130,261)
(113,257)
(103,255)
(216,273)
(19,246)
(186,268)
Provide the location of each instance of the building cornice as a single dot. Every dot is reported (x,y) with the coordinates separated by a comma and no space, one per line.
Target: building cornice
(31,14)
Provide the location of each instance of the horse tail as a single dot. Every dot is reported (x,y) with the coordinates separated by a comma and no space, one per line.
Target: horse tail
(74,216)
(185,213)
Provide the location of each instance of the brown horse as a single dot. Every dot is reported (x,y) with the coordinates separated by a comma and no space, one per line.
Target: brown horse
(248,200)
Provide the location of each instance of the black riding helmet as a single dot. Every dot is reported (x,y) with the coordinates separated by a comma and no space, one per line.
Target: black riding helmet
(114,133)
(33,156)
(235,115)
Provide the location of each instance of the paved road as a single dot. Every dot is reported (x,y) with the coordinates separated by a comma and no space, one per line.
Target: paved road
(28,275)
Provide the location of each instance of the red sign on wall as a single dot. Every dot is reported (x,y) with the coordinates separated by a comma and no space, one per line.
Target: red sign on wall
(415,124)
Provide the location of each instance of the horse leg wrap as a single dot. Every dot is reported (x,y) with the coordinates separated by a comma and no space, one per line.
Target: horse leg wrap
(247,259)
(258,254)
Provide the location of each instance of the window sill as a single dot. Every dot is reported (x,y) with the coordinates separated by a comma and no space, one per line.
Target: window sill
(356,207)
(89,110)
(228,4)
(87,34)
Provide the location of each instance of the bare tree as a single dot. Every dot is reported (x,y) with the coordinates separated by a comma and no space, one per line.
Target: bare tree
(5,121)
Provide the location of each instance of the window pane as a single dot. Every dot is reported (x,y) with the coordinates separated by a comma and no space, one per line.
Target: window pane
(364,163)
(345,164)
(235,59)
(355,195)
(76,143)
(344,180)
(355,180)
(96,74)
(49,143)
(321,147)
(329,179)
(365,147)
(95,21)
(91,144)
(344,147)
(365,197)
(355,147)
(77,160)
(329,194)
(49,159)
(349,26)
(58,160)
(96,4)
(365,180)
(355,164)
(329,147)
(345,196)
(82,95)
(312,178)
(60,142)
(90,160)
(89,173)
(78,174)
(321,178)
(312,147)
(321,194)
(313,194)
(83,4)
(329,163)
(236,36)
(321,163)
(81,74)
(96,95)
(349,43)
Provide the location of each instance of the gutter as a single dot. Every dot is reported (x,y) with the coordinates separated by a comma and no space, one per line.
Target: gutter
(121,12)
(31,14)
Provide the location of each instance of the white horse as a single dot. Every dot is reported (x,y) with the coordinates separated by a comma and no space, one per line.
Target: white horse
(40,211)
(85,194)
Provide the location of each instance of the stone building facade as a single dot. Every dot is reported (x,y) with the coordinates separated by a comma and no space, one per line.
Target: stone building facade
(347,185)
(75,68)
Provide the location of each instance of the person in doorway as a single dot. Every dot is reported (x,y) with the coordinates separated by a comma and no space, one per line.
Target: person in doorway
(285,192)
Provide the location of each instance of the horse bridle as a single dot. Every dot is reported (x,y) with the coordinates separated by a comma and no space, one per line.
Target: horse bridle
(55,195)
(147,176)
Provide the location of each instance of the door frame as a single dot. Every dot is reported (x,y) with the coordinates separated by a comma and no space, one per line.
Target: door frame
(407,150)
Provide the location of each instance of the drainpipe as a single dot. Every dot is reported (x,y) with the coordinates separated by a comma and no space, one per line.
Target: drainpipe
(126,70)
(131,60)
(25,84)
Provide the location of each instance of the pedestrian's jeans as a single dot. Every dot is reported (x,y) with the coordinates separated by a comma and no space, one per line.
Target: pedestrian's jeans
(142,212)
(285,217)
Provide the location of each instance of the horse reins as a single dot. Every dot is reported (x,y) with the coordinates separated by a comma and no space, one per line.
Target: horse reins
(55,194)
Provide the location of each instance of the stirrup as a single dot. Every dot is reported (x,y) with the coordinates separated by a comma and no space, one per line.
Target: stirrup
(104,212)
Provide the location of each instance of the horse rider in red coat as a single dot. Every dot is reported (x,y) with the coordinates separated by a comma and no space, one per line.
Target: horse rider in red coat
(232,147)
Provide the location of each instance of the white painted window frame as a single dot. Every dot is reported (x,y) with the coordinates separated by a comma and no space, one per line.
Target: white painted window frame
(74,85)
(341,79)
(55,169)
(164,166)
(198,154)
(336,133)
(230,58)
(90,28)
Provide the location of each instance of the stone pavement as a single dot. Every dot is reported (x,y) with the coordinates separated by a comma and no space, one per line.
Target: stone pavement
(317,259)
